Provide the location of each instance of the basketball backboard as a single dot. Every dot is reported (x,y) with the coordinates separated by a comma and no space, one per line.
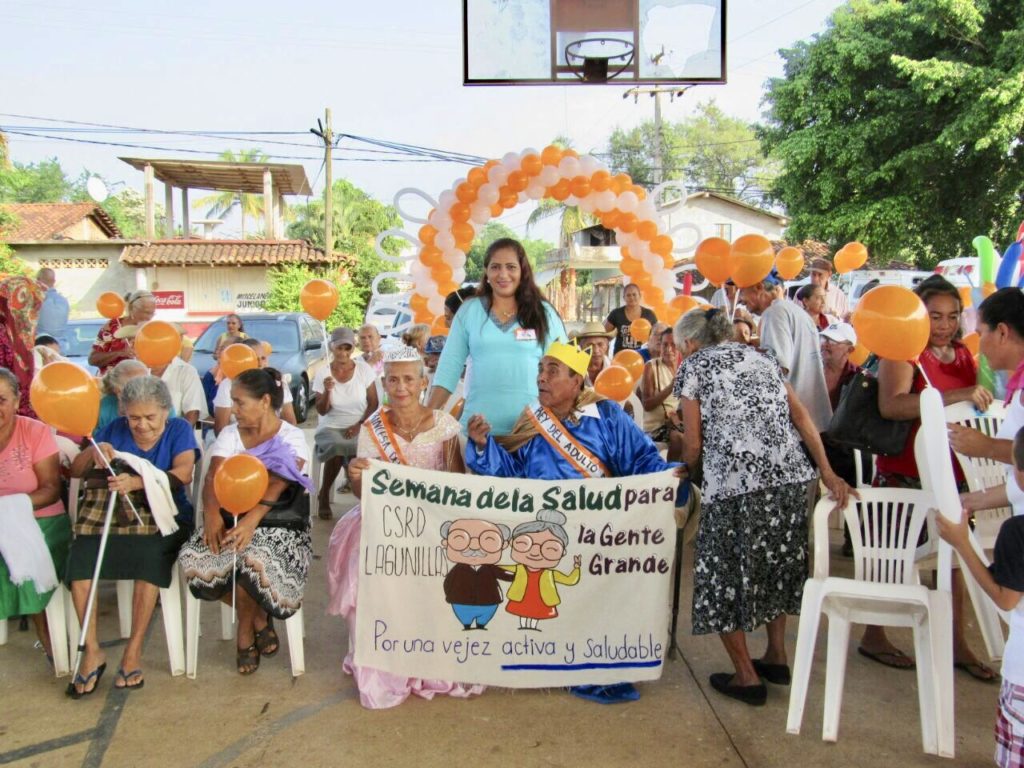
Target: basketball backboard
(564,42)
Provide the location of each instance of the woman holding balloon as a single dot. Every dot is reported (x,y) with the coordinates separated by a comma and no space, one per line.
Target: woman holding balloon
(261,561)
(946,364)
(109,350)
(621,320)
(153,457)
(503,332)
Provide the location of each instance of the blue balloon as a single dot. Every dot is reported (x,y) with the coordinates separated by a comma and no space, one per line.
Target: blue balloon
(1008,267)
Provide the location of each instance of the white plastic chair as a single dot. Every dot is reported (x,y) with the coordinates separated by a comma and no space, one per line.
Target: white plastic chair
(56,620)
(858,463)
(985,610)
(885,591)
(638,409)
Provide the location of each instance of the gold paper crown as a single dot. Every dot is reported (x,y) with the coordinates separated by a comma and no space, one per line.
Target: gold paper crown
(571,355)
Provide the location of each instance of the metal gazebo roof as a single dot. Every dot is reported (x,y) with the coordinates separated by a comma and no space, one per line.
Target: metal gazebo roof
(224,175)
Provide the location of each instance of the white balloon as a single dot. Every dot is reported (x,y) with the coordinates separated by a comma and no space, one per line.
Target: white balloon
(569,167)
(458,275)
(535,191)
(571,201)
(529,151)
(652,263)
(479,212)
(456,259)
(586,204)
(488,193)
(440,221)
(523,197)
(436,303)
(446,199)
(588,164)
(549,176)
(628,202)
(418,271)
(647,210)
(511,161)
(444,240)
(604,201)
(497,175)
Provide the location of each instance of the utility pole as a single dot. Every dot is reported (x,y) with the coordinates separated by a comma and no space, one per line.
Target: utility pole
(655,92)
(323,130)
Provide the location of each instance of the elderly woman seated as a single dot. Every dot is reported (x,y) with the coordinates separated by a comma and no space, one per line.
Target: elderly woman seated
(29,460)
(265,557)
(113,382)
(153,456)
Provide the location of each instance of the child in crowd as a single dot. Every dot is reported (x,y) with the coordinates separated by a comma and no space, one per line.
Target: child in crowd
(1003,581)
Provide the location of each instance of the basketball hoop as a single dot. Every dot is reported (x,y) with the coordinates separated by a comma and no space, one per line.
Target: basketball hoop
(589,58)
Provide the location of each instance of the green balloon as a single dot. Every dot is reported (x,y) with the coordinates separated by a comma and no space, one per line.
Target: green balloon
(987,257)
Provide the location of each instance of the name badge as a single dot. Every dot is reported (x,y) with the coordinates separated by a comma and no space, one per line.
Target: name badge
(526,334)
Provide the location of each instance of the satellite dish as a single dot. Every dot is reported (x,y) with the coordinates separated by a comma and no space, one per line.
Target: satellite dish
(97,189)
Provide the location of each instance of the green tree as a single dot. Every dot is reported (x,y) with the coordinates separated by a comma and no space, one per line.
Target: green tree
(495,230)
(250,205)
(902,125)
(710,150)
(286,284)
(42,182)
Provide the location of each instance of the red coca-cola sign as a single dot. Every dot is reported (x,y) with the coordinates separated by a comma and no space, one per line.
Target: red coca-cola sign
(170,299)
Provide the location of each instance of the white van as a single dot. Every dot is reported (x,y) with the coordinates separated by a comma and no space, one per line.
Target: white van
(961,272)
(856,284)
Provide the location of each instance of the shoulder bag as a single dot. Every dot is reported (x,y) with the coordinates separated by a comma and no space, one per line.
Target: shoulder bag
(857,423)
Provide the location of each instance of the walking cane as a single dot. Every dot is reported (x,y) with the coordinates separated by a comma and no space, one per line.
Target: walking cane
(90,603)
(110,469)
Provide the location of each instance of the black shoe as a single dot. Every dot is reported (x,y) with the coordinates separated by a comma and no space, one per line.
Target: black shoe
(754,695)
(776,674)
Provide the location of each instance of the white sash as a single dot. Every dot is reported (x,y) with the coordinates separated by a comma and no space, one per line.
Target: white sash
(552,430)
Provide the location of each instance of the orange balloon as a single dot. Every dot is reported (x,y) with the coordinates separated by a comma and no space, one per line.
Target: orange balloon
(860,354)
(431,255)
(858,254)
(987,289)
(621,182)
(646,230)
(427,234)
(66,397)
(714,259)
(631,267)
(627,222)
(532,165)
(610,219)
(442,273)
(236,358)
(973,342)
(517,181)
(459,212)
(892,322)
(685,303)
(157,343)
(110,305)
(509,197)
(965,296)
(463,231)
(569,152)
(439,327)
(319,298)
(662,245)
(476,177)
(561,190)
(600,181)
(631,360)
(551,155)
(418,302)
(640,329)
(789,262)
(615,383)
(466,194)
(752,259)
(580,186)
(240,483)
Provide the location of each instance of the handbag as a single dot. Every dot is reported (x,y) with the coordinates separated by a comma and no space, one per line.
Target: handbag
(290,511)
(857,423)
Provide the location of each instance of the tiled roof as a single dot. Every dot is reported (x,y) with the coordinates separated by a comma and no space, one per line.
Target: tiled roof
(225,253)
(45,221)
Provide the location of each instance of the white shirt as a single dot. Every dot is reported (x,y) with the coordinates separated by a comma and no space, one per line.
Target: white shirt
(186,388)
(223,397)
(348,399)
(836,302)
(229,442)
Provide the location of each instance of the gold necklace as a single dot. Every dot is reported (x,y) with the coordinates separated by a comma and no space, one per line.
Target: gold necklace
(505,316)
(408,433)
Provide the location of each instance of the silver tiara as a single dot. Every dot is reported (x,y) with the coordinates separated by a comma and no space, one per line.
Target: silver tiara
(402,354)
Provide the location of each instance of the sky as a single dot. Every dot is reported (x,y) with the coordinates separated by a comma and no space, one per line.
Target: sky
(389,70)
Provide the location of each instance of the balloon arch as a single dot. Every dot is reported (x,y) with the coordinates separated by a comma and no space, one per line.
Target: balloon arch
(637,217)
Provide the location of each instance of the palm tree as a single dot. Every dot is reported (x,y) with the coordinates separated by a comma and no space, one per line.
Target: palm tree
(219,205)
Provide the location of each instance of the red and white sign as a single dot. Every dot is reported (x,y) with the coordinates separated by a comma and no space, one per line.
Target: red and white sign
(170,299)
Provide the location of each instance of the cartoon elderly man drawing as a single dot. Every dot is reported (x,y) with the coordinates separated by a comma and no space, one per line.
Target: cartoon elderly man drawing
(471,586)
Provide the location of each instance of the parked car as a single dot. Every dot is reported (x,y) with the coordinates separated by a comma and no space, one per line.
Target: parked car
(961,272)
(298,349)
(389,314)
(78,340)
(855,284)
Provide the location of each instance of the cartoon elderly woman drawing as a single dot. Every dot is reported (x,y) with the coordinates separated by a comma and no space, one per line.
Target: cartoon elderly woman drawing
(537,547)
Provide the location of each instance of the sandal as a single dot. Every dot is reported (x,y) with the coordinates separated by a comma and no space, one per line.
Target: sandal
(248,660)
(96,674)
(123,677)
(977,670)
(267,637)
(896,659)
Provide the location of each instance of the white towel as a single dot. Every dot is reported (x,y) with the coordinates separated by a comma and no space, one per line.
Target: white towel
(22,545)
(158,492)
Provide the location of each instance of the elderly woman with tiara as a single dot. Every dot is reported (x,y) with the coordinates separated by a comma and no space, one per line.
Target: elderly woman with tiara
(404,432)
(565,421)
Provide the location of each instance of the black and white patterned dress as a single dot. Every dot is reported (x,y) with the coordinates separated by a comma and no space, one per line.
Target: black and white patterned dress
(751,550)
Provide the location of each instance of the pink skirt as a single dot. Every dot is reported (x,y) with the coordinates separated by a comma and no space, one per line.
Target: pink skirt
(377,689)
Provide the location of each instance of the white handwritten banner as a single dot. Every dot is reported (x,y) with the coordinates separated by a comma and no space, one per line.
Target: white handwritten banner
(472,579)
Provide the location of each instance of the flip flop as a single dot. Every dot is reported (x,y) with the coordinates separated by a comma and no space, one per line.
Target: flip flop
(248,657)
(886,658)
(266,637)
(977,670)
(126,676)
(79,680)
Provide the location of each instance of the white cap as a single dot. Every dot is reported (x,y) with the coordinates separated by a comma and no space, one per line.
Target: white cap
(841,332)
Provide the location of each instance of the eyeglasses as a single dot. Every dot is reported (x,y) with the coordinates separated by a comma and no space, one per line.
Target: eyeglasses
(550,549)
(488,541)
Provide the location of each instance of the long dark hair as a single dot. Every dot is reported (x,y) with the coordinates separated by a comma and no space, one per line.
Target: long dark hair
(263,381)
(1004,306)
(529,303)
